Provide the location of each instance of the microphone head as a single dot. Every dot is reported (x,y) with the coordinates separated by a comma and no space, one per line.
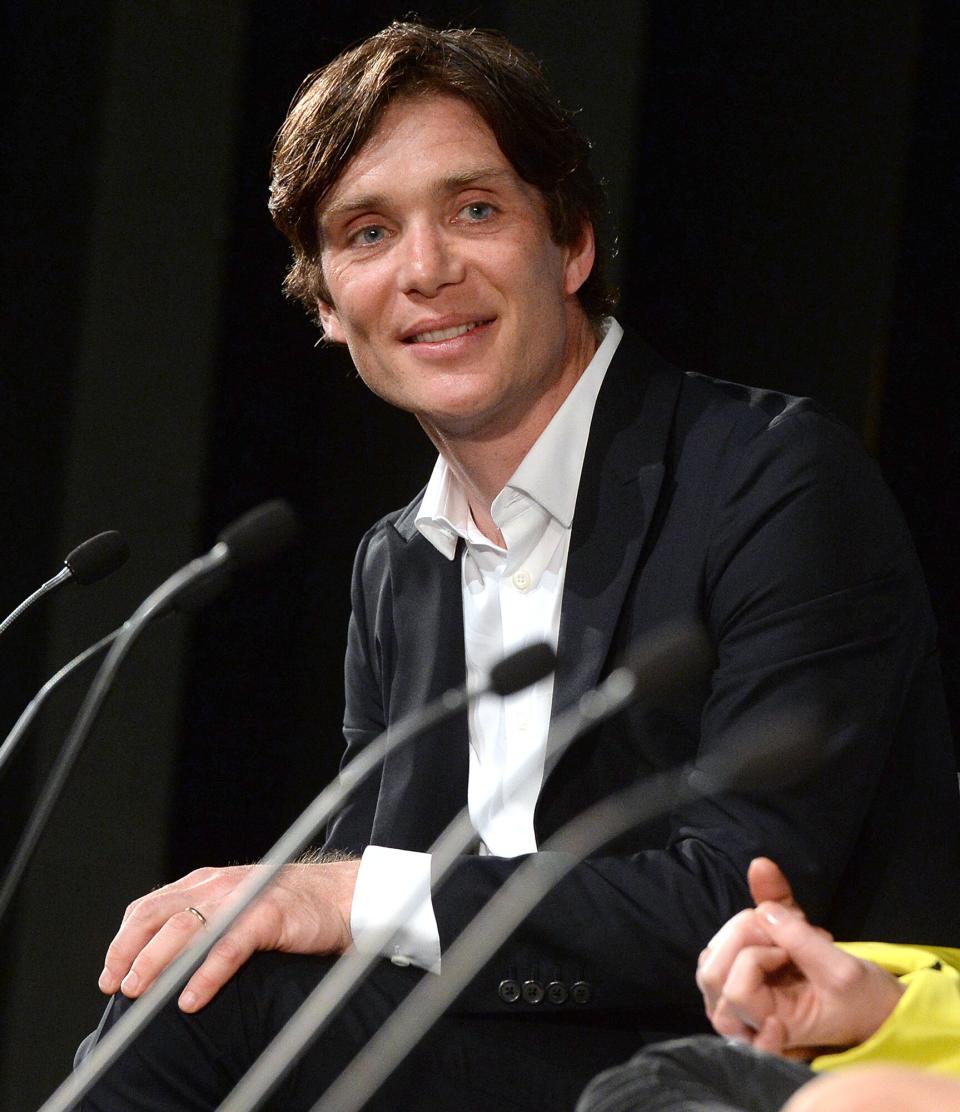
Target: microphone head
(99,556)
(669,662)
(521,669)
(260,534)
(773,750)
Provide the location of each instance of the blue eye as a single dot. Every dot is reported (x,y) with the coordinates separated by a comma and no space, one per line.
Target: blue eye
(369,236)
(478,210)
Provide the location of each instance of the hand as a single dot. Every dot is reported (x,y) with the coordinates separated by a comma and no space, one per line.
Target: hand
(767,884)
(306,910)
(777,982)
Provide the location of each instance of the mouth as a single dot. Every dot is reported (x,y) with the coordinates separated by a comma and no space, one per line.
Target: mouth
(439,335)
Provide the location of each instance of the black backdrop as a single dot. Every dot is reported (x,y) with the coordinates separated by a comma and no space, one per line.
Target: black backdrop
(783,188)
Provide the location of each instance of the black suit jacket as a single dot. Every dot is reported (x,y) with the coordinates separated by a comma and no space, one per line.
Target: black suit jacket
(761,517)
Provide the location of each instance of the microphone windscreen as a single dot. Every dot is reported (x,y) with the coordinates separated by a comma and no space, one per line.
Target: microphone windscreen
(97,557)
(670,662)
(521,669)
(260,534)
(772,750)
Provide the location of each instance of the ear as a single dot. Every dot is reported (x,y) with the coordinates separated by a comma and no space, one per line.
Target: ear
(330,319)
(579,261)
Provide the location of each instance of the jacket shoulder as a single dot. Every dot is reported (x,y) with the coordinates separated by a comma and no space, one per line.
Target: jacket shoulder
(397,522)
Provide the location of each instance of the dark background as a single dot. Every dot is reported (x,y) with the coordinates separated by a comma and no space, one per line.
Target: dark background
(784,193)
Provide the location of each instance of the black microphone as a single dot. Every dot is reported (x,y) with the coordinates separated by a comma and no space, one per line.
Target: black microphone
(191,599)
(95,558)
(655,672)
(256,536)
(519,670)
(259,534)
(776,752)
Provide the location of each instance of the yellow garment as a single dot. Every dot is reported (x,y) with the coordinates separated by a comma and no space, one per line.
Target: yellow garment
(923,1030)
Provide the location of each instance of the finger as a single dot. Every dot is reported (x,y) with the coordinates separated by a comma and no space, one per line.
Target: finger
(812,949)
(767,882)
(771,1036)
(173,894)
(166,944)
(744,929)
(747,988)
(141,921)
(727,1022)
(226,957)
(147,915)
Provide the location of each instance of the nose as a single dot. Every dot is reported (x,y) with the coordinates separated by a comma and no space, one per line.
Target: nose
(429,259)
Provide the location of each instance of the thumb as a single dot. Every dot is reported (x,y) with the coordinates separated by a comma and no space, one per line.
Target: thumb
(767,883)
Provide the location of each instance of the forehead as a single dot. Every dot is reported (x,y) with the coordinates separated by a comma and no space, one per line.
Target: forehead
(419,140)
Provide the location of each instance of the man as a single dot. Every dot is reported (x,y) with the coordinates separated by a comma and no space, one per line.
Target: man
(779,988)
(442,216)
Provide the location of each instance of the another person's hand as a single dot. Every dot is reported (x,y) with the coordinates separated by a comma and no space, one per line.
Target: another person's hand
(877,1089)
(777,982)
(767,885)
(306,910)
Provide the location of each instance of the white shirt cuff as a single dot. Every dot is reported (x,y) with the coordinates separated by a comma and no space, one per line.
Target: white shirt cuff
(393,893)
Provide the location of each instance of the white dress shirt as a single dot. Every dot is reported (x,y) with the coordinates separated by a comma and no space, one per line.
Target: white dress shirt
(511,598)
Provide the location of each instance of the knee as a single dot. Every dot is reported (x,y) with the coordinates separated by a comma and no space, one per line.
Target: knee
(602,1090)
(639,1083)
(877,1089)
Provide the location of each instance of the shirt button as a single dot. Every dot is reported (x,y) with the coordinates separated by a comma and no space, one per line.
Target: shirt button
(522,580)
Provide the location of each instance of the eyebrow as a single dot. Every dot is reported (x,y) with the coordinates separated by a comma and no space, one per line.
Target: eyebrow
(444,186)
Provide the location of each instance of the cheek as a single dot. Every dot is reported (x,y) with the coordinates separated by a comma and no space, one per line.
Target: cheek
(362,300)
(540,270)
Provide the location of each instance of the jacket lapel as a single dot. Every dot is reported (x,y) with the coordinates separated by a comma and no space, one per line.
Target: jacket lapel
(619,487)
(622,475)
(425,783)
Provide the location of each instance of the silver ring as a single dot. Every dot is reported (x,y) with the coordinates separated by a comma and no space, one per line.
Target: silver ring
(199,914)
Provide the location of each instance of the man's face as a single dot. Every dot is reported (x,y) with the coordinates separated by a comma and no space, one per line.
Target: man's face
(444,282)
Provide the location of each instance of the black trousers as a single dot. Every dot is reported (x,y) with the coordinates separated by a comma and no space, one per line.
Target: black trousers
(531,1060)
(698,1074)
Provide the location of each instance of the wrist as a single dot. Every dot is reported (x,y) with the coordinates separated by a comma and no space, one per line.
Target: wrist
(885,998)
(342,879)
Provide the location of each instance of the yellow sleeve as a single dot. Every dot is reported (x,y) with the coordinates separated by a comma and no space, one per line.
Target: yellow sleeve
(923,1030)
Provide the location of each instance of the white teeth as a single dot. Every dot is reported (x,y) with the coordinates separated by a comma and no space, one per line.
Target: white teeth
(444,333)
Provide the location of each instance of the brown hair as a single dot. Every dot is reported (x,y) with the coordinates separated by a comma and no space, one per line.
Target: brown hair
(337,109)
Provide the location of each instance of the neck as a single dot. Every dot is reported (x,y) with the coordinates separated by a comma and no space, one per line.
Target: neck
(483,459)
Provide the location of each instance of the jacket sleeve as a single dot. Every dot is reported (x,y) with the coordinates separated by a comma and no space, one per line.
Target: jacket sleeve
(811,593)
(349,830)
(923,1030)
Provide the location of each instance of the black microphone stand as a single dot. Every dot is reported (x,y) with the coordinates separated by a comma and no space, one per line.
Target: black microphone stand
(747,763)
(255,536)
(515,672)
(97,557)
(664,663)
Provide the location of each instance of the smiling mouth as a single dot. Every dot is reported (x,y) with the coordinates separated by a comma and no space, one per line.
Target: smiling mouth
(445,333)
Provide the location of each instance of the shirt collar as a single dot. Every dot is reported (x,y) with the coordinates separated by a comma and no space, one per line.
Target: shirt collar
(549,473)
(444,512)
